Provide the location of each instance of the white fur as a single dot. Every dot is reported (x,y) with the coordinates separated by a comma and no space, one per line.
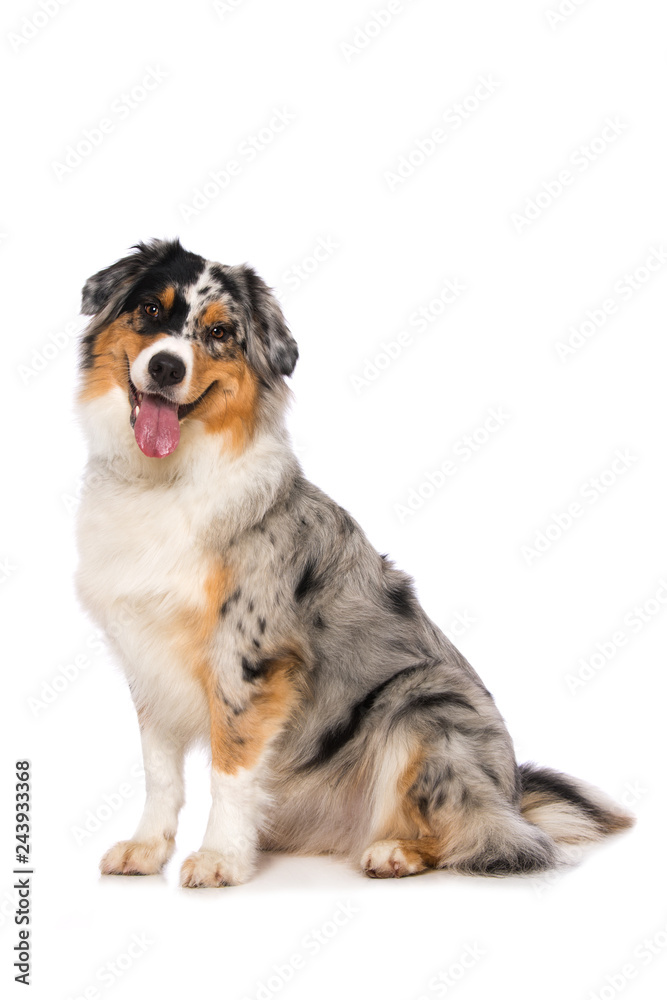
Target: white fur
(153,842)
(228,852)
(172,345)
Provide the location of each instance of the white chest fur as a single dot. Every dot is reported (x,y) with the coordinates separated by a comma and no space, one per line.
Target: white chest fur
(148,543)
(142,566)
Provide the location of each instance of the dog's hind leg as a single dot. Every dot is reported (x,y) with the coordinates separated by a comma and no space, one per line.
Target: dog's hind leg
(471,820)
(153,842)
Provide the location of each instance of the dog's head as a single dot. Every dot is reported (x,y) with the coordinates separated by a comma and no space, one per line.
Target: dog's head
(175,338)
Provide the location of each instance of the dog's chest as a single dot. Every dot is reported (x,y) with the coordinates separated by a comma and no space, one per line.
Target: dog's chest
(147,578)
(141,546)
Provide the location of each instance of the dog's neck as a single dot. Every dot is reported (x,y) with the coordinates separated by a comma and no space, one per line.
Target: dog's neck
(235,488)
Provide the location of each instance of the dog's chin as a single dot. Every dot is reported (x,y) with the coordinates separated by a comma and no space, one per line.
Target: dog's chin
(156,420)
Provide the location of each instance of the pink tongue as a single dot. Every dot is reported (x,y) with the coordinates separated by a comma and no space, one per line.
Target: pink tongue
(156,428)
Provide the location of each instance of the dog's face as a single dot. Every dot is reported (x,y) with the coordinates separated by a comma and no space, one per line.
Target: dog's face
(177,338)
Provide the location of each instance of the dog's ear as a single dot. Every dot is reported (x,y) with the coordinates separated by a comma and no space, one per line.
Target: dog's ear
(272,349)
(108,289)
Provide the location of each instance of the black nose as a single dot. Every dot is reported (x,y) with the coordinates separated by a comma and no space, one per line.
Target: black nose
(166,369)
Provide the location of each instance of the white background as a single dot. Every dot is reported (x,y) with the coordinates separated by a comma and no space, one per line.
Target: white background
(359,103)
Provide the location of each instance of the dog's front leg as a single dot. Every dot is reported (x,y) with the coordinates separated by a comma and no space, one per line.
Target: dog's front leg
(153,842)
(241,732)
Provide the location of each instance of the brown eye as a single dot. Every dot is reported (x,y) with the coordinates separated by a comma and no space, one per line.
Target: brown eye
(220,332)
(151,309)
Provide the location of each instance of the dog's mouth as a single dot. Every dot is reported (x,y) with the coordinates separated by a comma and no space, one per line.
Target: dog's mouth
(155,419)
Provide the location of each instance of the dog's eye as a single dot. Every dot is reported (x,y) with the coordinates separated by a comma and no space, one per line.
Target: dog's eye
(220,332)
(151,309)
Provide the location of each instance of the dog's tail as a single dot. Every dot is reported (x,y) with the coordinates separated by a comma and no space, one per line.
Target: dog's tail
(569,810)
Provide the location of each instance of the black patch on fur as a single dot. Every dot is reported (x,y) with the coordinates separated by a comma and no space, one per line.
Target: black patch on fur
(401,598)
(257,644)
(234,708)
(431,789)
(262,625)
(310,581)
(319,621)
(334,739)
(524,862)
(491,775)
(228,282)
(556,786)
(252,670)
(429,700)
(232,599)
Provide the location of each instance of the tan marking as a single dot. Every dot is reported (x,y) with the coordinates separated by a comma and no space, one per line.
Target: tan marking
(238,740)
(409,810)
(215,312)
(231,404)
(399,815)
(114,347)
(400,857)
(167,298)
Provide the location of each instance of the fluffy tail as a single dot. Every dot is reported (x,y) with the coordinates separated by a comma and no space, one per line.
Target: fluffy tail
(569,810)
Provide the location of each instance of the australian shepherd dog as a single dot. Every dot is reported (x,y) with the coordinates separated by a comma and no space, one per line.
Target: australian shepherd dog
(251,614)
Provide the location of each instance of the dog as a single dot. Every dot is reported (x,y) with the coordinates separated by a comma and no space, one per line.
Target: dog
(251,614)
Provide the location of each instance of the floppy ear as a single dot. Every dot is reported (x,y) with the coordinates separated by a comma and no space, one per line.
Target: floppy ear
(106,290)
(272,349)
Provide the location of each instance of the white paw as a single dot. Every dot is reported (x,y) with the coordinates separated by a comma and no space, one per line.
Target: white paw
(137,857)
(211,869)
(387,859)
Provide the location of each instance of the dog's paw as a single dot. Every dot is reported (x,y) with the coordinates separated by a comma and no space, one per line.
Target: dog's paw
(210,869)
(389,859)
(137,857)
